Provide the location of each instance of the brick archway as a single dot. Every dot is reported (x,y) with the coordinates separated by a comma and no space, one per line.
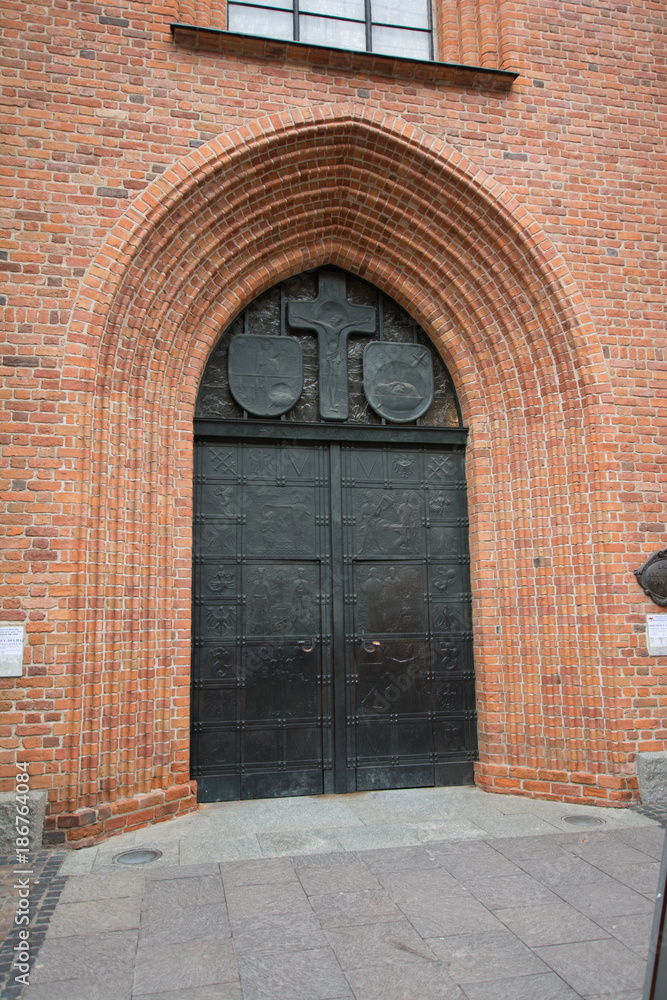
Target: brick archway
(383,200)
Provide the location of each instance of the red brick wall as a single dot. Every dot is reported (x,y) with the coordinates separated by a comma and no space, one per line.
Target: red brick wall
(151,189)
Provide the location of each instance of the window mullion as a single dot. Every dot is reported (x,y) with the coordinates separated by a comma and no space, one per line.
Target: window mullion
(297,32)
(369,29)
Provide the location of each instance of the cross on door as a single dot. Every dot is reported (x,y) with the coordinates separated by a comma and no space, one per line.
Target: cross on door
(333,319)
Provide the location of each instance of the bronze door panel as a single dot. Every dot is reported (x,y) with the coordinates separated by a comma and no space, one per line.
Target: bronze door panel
(332,646)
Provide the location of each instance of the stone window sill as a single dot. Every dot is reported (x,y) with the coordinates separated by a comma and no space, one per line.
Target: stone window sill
(213,39)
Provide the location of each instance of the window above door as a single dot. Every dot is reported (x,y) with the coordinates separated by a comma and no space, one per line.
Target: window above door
(384,27)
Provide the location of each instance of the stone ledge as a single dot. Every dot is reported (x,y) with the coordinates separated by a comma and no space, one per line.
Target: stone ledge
(342,60)
(8,834)
(89,825)
(652,777)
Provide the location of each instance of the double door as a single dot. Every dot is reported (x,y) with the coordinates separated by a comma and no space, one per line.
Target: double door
(332,646)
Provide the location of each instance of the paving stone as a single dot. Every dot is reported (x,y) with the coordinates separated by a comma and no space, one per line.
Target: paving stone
(609,854)
(297,842)
(80,888)
(363,837)
(341,878)
(435,915)
(79,862)
(625,995)
(343,909)
(518,849)
(306,975)
(633,931)
(603,900)
(554,923)
(648,840)
(427,981)
(210,868)
(382,944)
(641,878)
(248,900)
(593,967)
(284,932)
(220,991)
(92,916)
(395,859)
(511,890)
(92,957)
(547,986)
(258,872)
(119,987)
(415,881)
(564,868)
(193,891)
(327,860)
(161,967)
(480,957)
(474,864)
(168,923)
(219,848)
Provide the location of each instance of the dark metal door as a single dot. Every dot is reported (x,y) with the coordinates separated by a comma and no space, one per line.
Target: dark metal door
(332,644)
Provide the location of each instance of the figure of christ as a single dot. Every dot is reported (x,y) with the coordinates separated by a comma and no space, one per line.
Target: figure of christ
(333,319)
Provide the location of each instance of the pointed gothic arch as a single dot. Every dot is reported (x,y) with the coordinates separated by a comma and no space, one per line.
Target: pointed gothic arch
(371,194)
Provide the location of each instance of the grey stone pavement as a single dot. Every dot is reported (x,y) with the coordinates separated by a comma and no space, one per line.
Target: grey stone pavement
(430,894)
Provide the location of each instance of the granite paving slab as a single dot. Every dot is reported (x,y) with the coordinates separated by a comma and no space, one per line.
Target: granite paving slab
(382,944)
(168,923)
(510,890)
(306,975)
(479,957)
(88,957)
(595,967)
(258,872)
(344,909)
(193,891)
(95,915)
(343,877)
(82,888)
(161,966)
(546,986)
(244,901)
(219,991)
(604,900)
(117,988)
(633,931)
(553,923)
(435,915)
(284,932)
(428,981)
(641,878)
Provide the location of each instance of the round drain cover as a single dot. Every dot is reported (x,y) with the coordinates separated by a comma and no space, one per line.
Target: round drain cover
(137,857)
(584,820)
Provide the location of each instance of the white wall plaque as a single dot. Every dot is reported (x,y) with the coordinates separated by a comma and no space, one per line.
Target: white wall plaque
(656,634)
(11,650)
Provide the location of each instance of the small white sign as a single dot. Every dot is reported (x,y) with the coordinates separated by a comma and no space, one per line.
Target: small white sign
(656,634)
(11,650)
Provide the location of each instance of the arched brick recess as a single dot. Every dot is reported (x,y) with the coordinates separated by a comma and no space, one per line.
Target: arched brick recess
(378,197)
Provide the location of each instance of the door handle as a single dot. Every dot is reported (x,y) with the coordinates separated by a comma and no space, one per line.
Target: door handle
(368,647)
(307,649)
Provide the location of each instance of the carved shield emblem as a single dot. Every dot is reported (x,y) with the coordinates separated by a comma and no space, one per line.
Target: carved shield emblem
(652,578)
(398,380)
(265,373)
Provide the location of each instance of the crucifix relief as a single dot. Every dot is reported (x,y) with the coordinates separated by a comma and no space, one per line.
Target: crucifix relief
(333,319)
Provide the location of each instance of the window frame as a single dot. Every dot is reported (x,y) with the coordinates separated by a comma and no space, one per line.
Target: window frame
(368,22)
